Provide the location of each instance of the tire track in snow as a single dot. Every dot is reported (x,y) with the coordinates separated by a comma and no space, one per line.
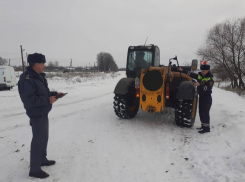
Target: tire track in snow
(5,118)
(172,140)
(83,100)
(59,105)
(181,143)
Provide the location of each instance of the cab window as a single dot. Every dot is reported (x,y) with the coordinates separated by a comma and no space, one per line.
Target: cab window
(134,56)
(157,57)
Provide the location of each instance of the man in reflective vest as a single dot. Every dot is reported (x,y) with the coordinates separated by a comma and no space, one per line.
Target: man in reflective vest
(204,85)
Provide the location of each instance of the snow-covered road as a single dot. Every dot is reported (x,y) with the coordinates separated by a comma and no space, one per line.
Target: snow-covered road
(91,144)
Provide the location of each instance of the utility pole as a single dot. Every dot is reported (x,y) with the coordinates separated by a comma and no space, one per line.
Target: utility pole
(9,62)
(26,58)
(22,58)
(71,65)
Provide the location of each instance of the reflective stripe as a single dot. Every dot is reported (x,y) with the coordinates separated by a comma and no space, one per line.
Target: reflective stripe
(205,125)
(203,79)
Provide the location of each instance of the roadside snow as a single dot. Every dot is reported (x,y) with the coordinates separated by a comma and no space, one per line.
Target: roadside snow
(90,143)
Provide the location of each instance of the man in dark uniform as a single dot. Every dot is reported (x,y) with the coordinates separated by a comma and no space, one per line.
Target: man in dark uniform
(37,100)
(140,63)
(204,85)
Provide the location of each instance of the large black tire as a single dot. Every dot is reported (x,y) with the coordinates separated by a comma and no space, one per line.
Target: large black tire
(125,106)
(185,112)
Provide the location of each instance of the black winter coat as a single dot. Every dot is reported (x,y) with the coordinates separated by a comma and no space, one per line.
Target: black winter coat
(34,93)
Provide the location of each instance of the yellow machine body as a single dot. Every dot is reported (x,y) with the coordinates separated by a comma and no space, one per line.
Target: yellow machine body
(151,102)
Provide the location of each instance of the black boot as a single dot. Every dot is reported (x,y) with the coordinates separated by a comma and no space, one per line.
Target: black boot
(204,130)
(200,128)
(48,163)
(40,174)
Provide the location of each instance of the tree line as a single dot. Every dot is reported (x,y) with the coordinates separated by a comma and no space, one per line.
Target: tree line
(3,61)
(105,62)
(224,48)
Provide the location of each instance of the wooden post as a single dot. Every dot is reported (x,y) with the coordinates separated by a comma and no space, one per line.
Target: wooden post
(23,66)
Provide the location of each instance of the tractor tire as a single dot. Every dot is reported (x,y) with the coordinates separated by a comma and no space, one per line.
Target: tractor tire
(185,112)
(125,106)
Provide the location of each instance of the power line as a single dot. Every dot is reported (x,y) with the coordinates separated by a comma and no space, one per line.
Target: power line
(58,58)
(8,51)
(14,61)
(17,58)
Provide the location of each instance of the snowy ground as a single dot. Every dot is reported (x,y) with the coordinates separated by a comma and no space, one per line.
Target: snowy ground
(91,144)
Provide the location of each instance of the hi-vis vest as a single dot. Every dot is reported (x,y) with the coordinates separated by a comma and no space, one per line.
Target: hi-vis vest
(201,79)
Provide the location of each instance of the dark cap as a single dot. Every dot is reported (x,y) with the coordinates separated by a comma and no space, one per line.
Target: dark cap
(36,58)
(205,67)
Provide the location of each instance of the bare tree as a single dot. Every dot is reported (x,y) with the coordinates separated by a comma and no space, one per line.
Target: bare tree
(56,64)
(225,49)
(186,63)
(106,62)
(50,64)
(3,61)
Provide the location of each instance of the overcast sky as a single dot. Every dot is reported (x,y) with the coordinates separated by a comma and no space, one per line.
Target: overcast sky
(80,29)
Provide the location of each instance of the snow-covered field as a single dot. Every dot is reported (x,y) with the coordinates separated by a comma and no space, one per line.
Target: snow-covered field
(91,144)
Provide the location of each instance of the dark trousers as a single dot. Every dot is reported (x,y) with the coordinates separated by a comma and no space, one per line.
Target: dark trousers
(40,129)
(205,104)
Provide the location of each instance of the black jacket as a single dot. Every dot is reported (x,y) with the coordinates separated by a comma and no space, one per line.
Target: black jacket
(34,93)
(206,82)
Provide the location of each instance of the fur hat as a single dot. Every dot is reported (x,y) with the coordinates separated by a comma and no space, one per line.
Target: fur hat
(205,67)
(36,58)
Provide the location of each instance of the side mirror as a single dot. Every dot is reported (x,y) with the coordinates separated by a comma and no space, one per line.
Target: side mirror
(175,58)
(194,64)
